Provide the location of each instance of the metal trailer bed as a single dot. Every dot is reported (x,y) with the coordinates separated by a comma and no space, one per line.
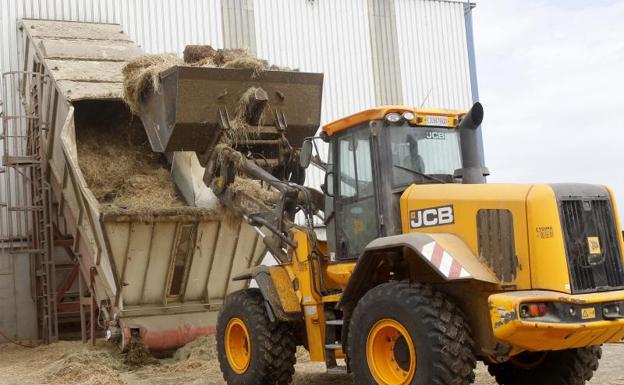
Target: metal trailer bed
(161,276)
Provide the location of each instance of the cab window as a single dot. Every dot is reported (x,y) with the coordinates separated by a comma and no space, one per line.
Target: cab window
(356,211)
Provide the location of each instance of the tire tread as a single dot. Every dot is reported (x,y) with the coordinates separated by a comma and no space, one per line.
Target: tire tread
(454,342)
(276,362)
(566,367)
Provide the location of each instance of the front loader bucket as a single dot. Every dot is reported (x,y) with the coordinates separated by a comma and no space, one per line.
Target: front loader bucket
(184,114)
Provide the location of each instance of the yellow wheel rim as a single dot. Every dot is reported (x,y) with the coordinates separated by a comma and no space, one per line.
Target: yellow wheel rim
(390,353)
(237,346)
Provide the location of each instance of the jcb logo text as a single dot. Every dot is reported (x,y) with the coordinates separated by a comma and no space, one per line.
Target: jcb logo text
(436,216)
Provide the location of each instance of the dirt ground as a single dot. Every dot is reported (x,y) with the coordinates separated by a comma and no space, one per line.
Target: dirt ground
(75,363)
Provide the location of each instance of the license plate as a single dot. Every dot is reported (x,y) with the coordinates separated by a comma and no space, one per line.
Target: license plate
(588,313)
(433,120)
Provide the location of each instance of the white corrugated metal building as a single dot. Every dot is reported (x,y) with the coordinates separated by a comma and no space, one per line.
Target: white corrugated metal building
(372,52)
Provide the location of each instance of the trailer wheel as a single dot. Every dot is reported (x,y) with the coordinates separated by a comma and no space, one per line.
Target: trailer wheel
(410,334)
(565,367)
(251,348)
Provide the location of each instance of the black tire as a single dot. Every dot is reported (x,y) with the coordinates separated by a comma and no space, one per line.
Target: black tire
(273,344)
(442,338)
(565,367)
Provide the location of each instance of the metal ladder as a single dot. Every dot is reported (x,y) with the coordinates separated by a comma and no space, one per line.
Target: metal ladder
(28,196)
(332,326)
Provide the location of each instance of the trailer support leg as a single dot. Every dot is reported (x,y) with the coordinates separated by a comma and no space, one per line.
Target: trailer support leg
(92,319)
(83,316)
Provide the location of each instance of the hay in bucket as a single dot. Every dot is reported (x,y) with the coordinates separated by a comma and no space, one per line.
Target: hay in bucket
(142,76)
(239,58)
(198,53)
(248,63)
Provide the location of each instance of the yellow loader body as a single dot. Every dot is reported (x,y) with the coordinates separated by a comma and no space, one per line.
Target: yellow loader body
(536,272)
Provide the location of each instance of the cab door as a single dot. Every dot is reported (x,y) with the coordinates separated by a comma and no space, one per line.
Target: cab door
(356,211)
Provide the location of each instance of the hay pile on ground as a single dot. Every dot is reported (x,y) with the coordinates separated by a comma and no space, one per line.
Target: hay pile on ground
(139,355)
(61,363)
(198,354)
(91,366)
(36,366)
(77,363)
(118,163)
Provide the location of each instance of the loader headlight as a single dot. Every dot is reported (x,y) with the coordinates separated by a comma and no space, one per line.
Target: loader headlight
(409,116)
(393,117)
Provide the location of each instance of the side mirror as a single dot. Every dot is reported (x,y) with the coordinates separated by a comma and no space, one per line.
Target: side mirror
(305,155)
(328,185)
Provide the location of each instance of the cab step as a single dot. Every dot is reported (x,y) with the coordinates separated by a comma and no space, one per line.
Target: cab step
(333,346)
(337,370)
(335,322)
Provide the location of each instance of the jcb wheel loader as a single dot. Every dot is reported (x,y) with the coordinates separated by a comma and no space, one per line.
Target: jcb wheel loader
(425,268)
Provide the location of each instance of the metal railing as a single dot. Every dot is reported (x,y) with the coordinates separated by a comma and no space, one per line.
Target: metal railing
(25,220)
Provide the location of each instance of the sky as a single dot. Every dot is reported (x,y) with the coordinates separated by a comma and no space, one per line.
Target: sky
(551,79)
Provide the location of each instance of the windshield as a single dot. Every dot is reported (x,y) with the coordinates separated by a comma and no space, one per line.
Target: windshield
(423,150)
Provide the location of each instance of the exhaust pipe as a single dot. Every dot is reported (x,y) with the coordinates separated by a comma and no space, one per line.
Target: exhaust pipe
(473,172)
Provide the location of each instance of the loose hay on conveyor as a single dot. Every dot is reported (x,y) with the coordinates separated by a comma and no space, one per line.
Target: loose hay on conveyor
(117,162)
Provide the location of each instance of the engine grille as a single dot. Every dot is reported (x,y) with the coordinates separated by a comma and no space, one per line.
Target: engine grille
(583,219)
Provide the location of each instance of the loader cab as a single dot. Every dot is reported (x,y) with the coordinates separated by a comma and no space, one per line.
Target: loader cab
(373,157)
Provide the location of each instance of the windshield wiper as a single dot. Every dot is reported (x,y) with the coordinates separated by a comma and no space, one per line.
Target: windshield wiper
(433,178)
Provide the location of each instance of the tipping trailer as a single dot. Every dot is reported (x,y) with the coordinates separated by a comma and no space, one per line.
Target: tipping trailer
(160,275)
